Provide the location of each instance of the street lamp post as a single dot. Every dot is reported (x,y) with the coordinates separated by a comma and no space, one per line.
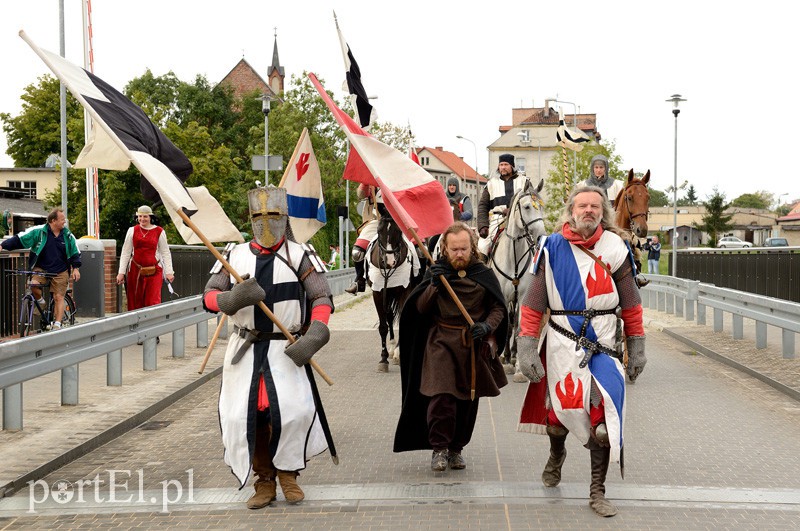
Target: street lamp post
(477,184)
(675,99)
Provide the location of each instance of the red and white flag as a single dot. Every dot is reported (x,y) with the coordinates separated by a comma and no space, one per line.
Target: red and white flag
(412,154)
(414,198)
(122,134)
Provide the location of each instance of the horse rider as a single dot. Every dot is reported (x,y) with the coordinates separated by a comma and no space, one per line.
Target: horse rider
(368,229)
(268,417)
(495,200)
(599,177)
(455,196)
(447,365)
(583,276)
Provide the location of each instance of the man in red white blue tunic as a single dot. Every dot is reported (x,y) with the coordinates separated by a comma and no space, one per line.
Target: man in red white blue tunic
(577,358)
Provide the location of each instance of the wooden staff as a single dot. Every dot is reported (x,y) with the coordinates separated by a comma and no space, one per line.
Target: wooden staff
(213,342)
(567,180)
(289,337)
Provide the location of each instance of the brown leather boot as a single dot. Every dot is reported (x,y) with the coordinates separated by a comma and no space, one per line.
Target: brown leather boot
(551,476)
(597,490)
(265,494)
(291,490)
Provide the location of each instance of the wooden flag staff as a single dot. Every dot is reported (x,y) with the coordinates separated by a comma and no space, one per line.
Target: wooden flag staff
(212,343)
(289,337)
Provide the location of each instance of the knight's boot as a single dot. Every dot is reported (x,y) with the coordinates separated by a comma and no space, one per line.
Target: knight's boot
(551,476)
(360,283)
(263,468)
(597,490)
(265,493)
(291,490)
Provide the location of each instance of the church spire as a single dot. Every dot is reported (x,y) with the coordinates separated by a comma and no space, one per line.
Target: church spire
(275,72)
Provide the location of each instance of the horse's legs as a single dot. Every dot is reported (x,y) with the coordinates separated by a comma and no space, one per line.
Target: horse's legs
(383,328)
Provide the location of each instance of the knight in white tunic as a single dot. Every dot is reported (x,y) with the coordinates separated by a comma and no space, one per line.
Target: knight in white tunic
(495,200)
(583,277)
(270,415)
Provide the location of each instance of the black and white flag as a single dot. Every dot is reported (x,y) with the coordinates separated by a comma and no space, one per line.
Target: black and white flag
(365,112)
(122,134)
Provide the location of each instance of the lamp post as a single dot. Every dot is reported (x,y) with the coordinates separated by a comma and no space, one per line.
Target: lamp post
(675,99)
(477,184)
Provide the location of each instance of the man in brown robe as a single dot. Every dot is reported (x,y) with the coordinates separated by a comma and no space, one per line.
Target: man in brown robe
(445,360)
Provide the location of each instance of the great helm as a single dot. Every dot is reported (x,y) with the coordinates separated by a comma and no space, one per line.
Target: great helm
(268,214)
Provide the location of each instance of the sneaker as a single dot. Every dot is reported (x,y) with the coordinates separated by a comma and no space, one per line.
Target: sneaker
(439,460)
(456,461)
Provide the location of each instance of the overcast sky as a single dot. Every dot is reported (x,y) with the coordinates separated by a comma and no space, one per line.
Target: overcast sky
(449,69)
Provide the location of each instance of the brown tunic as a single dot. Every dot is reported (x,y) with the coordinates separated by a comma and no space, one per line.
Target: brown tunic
(447,365)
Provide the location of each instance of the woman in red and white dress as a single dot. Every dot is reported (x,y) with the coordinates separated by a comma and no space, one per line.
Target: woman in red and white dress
(146,259)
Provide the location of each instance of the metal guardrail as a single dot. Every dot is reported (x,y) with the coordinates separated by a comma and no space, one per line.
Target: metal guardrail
(27,358)
(30,357)
(680,296)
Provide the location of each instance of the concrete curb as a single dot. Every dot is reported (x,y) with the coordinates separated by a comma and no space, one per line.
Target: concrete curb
(108,435)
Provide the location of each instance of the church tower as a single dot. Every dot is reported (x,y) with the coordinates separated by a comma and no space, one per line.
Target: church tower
(275,73)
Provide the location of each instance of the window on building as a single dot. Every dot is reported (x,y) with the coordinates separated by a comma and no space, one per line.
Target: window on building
(424,161)
(519,162)
(29,187)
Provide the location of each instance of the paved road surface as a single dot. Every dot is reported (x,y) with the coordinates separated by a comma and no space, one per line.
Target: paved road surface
(707,446)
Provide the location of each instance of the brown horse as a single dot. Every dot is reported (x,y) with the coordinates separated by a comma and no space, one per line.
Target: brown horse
(633,205)
(633,208)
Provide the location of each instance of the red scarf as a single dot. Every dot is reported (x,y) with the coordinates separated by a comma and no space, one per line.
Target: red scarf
(577,239)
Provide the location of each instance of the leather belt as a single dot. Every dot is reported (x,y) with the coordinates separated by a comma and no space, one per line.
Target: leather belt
(250,337)
(591,347)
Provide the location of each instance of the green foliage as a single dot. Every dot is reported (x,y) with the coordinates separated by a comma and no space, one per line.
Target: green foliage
(36,132)
(715,222)
(760,199)
(658,198)
(691,196)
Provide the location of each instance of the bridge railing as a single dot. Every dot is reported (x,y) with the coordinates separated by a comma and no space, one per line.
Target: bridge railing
(30,357)
(682,297)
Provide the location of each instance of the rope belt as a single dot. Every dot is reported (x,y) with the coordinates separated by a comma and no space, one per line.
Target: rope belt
(581,341)
(463,328)
(250,337)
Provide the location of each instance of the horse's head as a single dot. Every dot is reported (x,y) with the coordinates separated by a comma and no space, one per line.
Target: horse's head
(633,205)
(526,215)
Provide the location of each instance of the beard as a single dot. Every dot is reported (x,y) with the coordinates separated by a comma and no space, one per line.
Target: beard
(459,263)
(587,224)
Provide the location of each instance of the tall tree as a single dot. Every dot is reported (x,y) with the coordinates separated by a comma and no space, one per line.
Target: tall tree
(691,195)
(715,222)
(761,199)
(658,198)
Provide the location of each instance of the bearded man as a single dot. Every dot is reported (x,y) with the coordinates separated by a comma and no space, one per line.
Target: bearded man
(447,365)
(495,200)
(583,276)
(269,409)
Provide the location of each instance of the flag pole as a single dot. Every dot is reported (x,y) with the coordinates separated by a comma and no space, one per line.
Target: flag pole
(212,343)
(289,337)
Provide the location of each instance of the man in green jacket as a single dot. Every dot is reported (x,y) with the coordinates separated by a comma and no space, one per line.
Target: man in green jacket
(54,250)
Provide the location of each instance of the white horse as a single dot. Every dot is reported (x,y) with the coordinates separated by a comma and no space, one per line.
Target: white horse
(512,256)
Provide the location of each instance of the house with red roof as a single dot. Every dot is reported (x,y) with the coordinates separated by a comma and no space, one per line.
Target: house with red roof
(442,165)
(789,225)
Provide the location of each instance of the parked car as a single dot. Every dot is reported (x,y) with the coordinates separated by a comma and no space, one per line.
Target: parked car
(776,242)
(732,242)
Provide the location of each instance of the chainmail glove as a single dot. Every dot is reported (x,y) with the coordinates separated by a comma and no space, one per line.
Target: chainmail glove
(240,296)
(479,330)
(530,364)
(636,358)
(302,350)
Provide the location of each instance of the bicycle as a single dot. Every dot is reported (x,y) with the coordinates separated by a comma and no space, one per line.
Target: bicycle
(29,303)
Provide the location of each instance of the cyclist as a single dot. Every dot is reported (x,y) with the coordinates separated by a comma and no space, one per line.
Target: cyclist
(54,250)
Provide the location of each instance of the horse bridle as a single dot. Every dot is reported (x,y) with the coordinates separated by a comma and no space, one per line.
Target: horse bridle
(527,255)
(632,216)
